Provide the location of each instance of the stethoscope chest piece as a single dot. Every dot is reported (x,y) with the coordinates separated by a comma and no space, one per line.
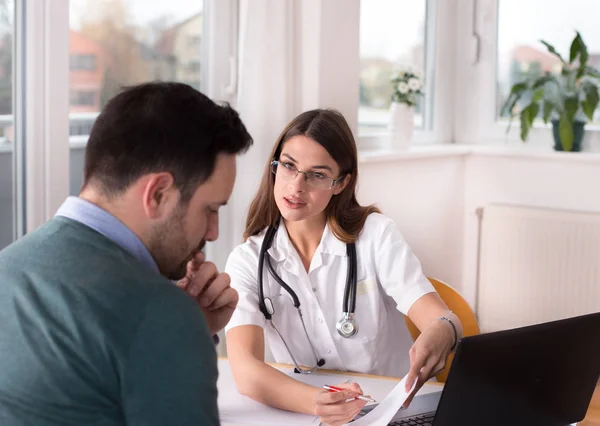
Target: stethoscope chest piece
(347,326)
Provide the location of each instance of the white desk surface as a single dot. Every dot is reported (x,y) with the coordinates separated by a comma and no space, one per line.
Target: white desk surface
(229,397)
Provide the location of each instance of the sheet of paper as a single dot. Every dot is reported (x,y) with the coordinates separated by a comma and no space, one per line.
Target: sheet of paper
(321,379)
(235,408)
(387,409)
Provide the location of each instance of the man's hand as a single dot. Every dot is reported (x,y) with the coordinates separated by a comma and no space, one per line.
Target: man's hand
(332,407)
(211,290)
(428,355)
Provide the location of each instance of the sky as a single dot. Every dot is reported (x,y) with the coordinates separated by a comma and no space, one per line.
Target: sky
(142,11)
(527,21)
(389,28)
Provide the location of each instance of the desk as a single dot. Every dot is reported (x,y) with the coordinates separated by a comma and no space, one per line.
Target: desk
(377,386)
(593,415)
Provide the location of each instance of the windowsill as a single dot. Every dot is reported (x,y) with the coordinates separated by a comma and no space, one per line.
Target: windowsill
(415,152)
(419,152)
(535,154)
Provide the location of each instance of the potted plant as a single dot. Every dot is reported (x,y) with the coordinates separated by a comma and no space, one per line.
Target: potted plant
(567,98)
(407,87)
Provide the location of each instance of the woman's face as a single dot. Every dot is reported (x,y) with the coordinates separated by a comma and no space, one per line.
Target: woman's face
(300,197)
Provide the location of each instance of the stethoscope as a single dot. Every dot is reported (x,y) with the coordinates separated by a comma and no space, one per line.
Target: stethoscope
(346,326)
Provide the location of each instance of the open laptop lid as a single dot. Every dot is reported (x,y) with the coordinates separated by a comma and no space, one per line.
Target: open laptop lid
(537,375)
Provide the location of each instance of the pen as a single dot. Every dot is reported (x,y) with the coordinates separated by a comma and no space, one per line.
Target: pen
(336,389)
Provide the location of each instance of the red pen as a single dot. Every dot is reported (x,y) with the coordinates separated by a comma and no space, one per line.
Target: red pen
(336,389)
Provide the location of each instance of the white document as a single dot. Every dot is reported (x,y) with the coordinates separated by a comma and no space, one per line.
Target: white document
(235,408)
(387,409)
(321,379)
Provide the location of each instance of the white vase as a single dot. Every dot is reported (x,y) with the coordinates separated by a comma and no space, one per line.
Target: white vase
(401,125)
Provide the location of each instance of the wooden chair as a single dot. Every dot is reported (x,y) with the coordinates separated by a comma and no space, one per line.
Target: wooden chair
(459,306)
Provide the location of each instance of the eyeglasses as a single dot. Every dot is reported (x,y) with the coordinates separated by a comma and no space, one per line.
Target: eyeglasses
(288,172)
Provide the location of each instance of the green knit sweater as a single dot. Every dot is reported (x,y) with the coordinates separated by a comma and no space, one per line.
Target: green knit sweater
(91,336)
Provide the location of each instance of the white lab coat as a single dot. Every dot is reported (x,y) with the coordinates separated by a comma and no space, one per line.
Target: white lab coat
(390,280)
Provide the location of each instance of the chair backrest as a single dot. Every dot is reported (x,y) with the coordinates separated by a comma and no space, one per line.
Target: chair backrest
(459,306)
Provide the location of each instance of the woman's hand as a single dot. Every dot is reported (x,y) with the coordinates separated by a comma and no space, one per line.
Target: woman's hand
(428,355)
(333,407)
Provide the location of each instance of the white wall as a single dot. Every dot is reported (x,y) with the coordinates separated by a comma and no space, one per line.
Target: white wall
(434,199)
(425,198)
(554,180)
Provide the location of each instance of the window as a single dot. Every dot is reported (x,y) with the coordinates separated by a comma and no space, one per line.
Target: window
(81,124)
(194,41)
(82,62)
(194,67)
(7,175)
(500,45)
(124,43)
(392,35)
(520,28)
(83,98)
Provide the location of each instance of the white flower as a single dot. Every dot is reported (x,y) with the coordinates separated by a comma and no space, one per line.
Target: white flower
(414,84)
(403,87)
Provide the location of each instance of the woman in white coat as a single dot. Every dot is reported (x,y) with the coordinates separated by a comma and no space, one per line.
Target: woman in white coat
(335,280)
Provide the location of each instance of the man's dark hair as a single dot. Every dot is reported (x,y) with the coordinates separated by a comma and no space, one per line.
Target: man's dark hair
(158,127)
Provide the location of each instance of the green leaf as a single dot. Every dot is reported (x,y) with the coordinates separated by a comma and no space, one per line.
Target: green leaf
(537,95)
(552,50)
(589,104)
(510,104)
(548,108)
(515,94)
(575,48)
(583,52)
(542,81)
(592,72)
(565,130)
(525,125)
(571,106)
(571,81)
(527,116)
(518,88)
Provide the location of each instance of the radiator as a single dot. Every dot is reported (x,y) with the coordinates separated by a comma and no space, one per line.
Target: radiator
(536,265)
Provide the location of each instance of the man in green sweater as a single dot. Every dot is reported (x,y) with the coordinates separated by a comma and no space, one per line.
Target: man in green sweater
(92,329)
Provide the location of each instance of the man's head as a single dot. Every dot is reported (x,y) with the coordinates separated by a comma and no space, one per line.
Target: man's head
(161,158)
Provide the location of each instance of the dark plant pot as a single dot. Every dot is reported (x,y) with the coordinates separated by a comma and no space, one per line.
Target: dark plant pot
(578,131)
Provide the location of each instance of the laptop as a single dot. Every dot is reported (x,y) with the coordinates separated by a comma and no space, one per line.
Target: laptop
(540,375)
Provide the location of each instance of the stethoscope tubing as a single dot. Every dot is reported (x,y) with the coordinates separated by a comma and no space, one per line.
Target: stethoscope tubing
(348,304)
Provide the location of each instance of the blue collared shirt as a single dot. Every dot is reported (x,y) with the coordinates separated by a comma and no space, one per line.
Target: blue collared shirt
(101,221)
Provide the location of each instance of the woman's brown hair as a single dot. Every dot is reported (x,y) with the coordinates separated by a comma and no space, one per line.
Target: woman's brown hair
(345,216)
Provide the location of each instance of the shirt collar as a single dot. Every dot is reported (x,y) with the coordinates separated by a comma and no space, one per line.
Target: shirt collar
(330,244)
(101,221)
(282,246)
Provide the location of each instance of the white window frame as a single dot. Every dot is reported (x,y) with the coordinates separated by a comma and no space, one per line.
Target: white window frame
(476,121)
(41,108)
(219,72)
(441,51)
(220,78)
(42,98)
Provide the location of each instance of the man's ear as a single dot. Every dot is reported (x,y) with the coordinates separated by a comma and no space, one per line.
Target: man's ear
(342,185)
(160,195)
